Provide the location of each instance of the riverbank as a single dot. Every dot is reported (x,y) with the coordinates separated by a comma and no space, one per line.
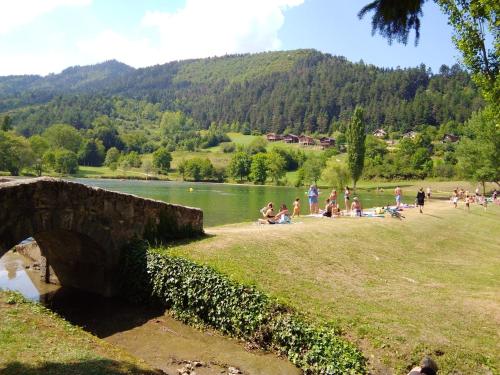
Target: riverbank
(35,341)
(397,289)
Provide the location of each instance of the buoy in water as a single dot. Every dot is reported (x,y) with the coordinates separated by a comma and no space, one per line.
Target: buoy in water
(190,190)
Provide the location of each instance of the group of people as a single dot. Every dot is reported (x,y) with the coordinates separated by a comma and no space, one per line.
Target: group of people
(332,205)
(270,216)
(468,198)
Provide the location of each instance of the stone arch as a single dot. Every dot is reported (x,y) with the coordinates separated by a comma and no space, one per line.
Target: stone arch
(82,230)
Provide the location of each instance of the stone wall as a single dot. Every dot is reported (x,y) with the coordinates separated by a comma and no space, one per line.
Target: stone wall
(82,230)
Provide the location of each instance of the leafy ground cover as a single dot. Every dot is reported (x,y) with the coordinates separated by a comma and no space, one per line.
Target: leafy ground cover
(398,289)
(35,341)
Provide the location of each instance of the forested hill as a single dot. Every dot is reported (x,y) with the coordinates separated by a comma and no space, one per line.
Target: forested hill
(288,91)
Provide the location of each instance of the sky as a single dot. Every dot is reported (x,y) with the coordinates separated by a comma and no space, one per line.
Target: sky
(47,36)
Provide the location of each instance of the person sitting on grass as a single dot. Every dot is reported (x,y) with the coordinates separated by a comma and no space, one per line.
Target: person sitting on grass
(356,206)
(328,208)
(427,366)
(268,213)
(336,210)
(282,217)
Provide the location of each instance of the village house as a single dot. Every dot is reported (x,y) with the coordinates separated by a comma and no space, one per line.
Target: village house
(450,138)
(380,133)
(410,135)
(291,138)
(273,137)
(305,140)
(326,142)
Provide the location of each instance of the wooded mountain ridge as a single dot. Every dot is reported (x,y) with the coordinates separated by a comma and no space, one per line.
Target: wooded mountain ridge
(285,91)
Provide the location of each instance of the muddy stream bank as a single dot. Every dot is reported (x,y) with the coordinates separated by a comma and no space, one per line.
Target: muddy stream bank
(147,332)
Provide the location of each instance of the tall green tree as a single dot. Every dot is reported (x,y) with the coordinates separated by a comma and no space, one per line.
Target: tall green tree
(478,152)
(91,153)
(276,166)
(239,167)
(63,136)
(356,145)
(258,168)
(6,123)
(65,161)
(473,21)
(15,153)
(335,174)
(162,159)
(112,158)
(310,172)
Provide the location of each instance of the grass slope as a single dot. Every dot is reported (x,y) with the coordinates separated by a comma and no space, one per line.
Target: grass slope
(35,341)
(399,289)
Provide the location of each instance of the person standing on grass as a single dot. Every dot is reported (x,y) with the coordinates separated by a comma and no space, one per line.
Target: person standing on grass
(313,194)
(347,197)
(398,193)
(420,199)
(333,197)
(454,198)
(296,207)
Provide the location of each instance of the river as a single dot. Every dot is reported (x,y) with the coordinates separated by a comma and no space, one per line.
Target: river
(228,203)
(147,332)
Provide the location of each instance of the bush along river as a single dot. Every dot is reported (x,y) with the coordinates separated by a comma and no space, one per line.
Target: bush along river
(228,203)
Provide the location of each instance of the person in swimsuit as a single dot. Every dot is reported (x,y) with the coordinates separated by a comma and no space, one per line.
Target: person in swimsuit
(356,206)
(428,193)
(296,207)
(268,213)
(398,193)
(333,197)
(454,198)
(347,196)
(420,199)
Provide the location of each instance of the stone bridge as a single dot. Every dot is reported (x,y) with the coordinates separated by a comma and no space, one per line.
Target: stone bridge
(82,231)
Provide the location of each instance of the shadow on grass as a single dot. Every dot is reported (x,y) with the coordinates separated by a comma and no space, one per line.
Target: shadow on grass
(97,367)
(187,241)
(99,315)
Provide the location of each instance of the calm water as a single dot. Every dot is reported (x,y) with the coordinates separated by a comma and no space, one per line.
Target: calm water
(224,203)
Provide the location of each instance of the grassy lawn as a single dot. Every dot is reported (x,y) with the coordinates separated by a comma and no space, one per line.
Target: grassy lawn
(399,289)
(35,341)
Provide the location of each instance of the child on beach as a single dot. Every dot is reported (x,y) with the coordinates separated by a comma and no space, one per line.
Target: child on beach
(296,207)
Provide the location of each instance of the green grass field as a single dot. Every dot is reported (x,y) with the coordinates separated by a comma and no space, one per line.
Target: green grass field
(35,341)
(399,289)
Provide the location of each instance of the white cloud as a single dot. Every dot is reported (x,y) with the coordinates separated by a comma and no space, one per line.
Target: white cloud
(15,13)
(200,29)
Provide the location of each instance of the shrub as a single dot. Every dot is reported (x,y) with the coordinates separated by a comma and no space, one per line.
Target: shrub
(199,294)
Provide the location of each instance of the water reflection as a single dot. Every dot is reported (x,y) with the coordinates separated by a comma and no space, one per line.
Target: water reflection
(15,276)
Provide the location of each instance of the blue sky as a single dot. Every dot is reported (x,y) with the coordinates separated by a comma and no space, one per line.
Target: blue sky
(44,36)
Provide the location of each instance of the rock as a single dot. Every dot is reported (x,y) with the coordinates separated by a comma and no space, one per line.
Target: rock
(233,370)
